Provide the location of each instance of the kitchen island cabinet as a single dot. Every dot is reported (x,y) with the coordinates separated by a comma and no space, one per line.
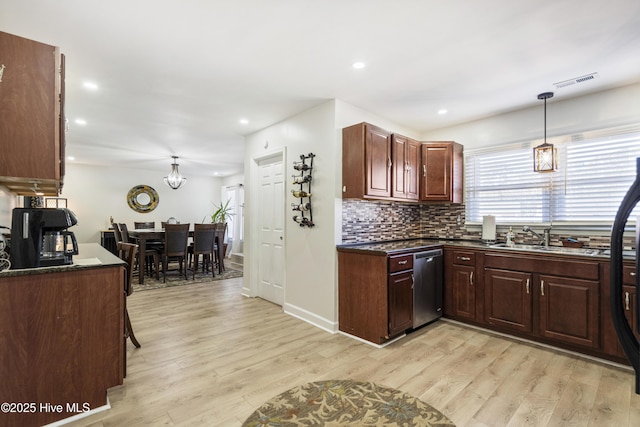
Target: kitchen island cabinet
(61,337)
(31,116)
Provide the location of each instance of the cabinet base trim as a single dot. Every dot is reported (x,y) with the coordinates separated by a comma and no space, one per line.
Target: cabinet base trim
(540,344)
(383,345)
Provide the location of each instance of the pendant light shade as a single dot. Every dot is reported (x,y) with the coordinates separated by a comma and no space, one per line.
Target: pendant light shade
(545,156)
(174,179)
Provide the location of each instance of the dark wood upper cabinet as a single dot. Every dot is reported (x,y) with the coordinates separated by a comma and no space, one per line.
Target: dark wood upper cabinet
(31,116)
(406,165)
(366,162)
(441,176)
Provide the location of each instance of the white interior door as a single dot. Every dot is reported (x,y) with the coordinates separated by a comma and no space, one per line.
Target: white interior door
(271,224)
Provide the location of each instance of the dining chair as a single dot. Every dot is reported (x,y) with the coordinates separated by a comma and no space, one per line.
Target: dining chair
(176,238)
(128,252)
(150,254)
(203,242)
(221,230)
(116,232)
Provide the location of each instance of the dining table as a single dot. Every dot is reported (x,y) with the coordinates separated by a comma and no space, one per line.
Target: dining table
(142,236)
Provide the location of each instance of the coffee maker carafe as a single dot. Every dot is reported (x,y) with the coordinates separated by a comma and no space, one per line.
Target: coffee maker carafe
(39,237)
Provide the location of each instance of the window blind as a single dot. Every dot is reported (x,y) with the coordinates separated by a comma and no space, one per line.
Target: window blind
(595,170)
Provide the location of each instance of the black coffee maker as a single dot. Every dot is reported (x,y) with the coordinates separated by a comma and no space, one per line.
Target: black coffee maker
(39,237)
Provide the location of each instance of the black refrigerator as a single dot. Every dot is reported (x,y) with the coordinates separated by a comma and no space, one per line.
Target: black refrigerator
(628,340)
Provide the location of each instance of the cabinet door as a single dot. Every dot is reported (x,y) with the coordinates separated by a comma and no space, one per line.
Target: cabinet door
(569,310)
(508,299)
(400,302)
(464,291)
(406,164)
(30,114)
(441,176)
(377,162)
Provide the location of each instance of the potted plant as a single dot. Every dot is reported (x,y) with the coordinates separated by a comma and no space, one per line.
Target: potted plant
(222,212)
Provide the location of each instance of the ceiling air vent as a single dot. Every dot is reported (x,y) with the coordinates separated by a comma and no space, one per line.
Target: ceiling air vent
(575,80)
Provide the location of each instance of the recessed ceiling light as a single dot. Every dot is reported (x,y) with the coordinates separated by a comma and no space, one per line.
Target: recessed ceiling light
(81,122)
(90,85)
(71,158)
(442,111)
(358,65)
(244,121)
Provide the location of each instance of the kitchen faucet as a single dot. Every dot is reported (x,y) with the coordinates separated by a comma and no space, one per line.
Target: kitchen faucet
(544,240)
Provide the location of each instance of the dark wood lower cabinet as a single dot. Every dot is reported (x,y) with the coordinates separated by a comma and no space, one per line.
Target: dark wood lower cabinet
(569,310)
(508,299)
(400,302)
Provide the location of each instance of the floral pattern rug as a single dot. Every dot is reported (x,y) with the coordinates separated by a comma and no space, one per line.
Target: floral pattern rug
(345,403)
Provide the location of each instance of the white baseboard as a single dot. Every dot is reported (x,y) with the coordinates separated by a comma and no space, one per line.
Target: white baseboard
(312,318)
(81,415)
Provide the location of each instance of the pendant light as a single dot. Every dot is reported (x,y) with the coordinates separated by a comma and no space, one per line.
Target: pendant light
(545,156)
(174,179)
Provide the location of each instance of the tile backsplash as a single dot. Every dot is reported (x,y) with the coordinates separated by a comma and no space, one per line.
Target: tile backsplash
(370,221)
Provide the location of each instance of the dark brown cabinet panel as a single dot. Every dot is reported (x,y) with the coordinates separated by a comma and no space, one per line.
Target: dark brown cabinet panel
(406,164)
(508,301)
(462,287)
(366,162)
(441,177)
(375,295)
(569,310)
(400,302)
(31,116)
(464,291)
(610,342)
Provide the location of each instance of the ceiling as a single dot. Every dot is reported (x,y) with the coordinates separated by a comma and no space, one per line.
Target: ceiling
(175,77)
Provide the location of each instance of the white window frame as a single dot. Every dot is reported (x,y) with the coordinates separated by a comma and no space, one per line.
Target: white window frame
(553,186)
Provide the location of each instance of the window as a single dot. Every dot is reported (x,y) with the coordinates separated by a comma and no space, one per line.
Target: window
(595,170)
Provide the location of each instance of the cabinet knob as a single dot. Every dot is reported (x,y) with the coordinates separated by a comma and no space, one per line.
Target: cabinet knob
(542,287)
(633,273)
(471,279)
(626,301)
(528,280)
(402,262)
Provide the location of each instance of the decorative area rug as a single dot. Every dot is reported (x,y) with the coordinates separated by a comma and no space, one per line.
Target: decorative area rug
(345,403)
(173,279)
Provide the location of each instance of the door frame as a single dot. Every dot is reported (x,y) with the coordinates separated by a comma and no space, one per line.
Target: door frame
(253,212)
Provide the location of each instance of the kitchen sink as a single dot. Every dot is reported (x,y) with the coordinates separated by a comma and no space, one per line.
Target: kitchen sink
(551,249)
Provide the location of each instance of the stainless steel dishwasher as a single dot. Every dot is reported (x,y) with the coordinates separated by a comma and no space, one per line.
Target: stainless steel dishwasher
(427,287)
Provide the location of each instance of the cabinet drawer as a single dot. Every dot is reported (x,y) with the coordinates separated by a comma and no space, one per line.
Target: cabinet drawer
(629,275)
(400,263)
(464,258)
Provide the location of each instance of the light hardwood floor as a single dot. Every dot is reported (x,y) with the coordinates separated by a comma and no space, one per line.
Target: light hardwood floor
(210,357)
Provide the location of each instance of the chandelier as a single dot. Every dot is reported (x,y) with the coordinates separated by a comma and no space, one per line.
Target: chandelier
(174,179)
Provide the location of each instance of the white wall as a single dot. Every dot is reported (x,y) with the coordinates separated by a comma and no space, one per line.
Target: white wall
(7,203)
(95,193)
(609,108)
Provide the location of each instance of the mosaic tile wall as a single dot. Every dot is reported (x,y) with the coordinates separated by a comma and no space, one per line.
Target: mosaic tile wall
(370,221)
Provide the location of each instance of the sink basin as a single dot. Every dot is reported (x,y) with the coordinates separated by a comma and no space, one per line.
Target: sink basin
(551,249)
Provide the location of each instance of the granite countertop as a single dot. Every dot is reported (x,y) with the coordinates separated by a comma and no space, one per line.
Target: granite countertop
(412,245)
(90,255)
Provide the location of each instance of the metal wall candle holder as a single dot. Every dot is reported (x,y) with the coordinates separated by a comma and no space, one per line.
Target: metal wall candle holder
(304,214)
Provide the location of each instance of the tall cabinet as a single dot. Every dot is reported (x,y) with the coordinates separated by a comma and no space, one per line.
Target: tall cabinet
(31,116)
(442,172)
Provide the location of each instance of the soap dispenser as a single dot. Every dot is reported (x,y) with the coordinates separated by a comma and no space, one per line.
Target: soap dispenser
(510,237)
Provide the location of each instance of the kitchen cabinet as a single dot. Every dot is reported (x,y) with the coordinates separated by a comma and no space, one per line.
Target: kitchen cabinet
(554,299)
(375,295)
(442,172)
(462,285)
(366,162)
(405,167)
(508,299)
(31,116)
(611,345)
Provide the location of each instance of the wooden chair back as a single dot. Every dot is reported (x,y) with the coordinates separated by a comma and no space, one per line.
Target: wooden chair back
(176,238)
(124,231)
(117,233)
(128,253)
